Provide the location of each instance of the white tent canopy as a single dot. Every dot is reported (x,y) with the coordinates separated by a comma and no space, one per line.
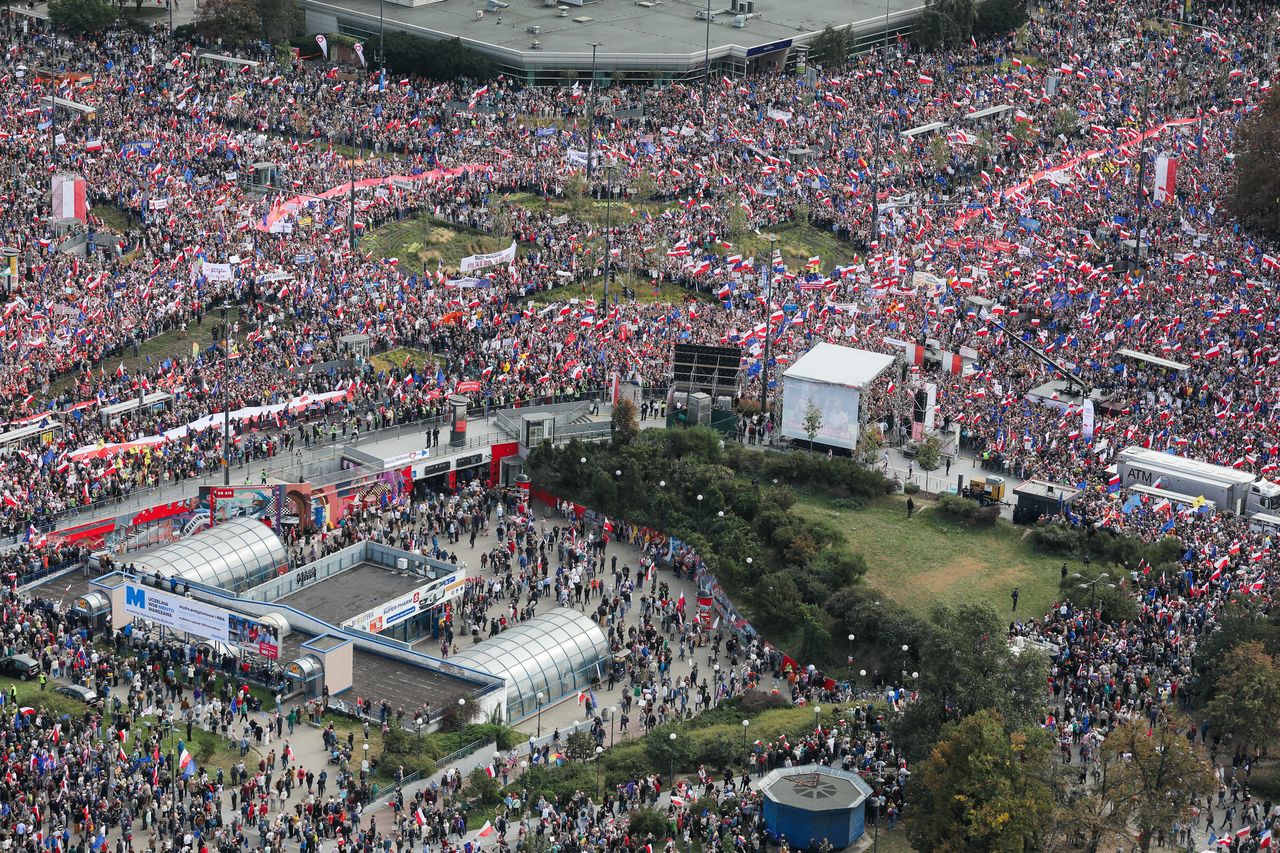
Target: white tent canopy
(837,365)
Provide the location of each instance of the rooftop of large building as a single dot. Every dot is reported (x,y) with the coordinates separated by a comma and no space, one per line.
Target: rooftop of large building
(630,34)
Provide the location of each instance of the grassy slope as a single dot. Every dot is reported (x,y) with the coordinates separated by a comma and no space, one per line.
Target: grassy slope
(420,238)
(798,242)
(222,754)
(932,558)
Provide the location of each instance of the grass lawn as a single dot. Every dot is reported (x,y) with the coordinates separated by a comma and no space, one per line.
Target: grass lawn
(395,358)
(932,558)
(420,239)
(113,218)
(211,751)
(646,293)
(168,345)
(798,241)
(892,842)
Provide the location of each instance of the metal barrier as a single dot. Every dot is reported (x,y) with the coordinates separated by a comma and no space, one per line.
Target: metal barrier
(389,793)
(460,753)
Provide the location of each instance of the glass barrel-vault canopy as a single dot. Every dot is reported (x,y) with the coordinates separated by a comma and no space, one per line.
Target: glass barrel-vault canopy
(557,653)
(233,556)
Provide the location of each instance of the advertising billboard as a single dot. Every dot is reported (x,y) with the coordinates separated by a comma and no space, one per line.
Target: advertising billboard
(253,636)
(378,619)
(176,612)
(207,621)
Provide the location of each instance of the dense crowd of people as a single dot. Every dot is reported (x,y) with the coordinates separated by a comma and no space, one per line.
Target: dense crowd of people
(1047,212)
(1031,212)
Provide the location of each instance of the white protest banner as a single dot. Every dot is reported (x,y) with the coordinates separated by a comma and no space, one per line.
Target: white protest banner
(479,262)
(216,272)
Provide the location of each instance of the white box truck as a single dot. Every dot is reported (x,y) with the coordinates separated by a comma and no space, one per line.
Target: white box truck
(1231,489)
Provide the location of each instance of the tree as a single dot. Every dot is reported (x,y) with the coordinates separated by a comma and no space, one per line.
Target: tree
(812,420)
(966,666)
(1256,202)
(280,19)
(436,60)
(1240,622)
(643,185)
(944,23)
(626,423)
(982,788)
(230,20)
(939,152)
(81,16)
(1066,121)
(997,17)
(831,47)
(929,454)
(1158,772)
(1248,692)
(870,440)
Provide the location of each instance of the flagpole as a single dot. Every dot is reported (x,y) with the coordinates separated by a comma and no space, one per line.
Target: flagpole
(768,309)
(591,124)
(226,402)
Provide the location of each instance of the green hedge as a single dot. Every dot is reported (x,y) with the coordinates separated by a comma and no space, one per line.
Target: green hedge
(713,740)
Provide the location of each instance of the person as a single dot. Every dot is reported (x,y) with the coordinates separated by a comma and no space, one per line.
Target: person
(1014,596)
(948,461)
(911,507)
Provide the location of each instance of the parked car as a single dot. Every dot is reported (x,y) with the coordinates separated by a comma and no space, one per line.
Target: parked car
(21,667)
(79,692)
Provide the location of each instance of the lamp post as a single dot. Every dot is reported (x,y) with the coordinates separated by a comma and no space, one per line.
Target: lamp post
(599,752)
(746,724)
(851,639)
(878,802)
(905,649)
(768,287)
(706,61)
(591,124)
(613,718)
(1139,199)
(1092,586)
(381,32)
(462,703)
(226,400)
(672,784)
(541,699)
(608,227)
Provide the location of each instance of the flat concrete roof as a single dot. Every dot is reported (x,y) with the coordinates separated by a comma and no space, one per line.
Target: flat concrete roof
(630,34)
(381,678)
(352,592)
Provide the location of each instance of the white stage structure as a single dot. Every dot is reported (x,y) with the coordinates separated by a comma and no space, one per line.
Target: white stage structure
(833,377)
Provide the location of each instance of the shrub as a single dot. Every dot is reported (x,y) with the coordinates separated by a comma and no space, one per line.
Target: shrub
(1264,782)
(1055,539)
(647,822)
(484,788)
(957,507)
(911,488)
(414,752)
(625,762)
(752,702)
(986,516)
